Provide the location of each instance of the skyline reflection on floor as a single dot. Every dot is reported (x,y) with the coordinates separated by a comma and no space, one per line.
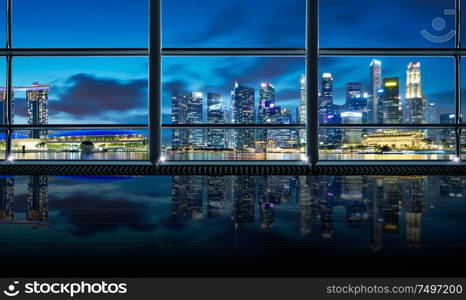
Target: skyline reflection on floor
(309,225)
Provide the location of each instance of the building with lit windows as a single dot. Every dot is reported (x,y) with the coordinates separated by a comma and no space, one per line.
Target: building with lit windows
(195,116)
(243,112)
(353,135)
(302,115)
(396,140)
(216,114)
(415,101)
(374,115)
(392,109)
(37,96)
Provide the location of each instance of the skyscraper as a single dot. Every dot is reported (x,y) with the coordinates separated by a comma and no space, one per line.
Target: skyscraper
(302,114)
(353,94)
(374,114)
(415,101)
(194,116)
(326,97)
(37,108)
(3,106)
(243,113)
(268,113)
(179,113)
(216,114)
(392,112)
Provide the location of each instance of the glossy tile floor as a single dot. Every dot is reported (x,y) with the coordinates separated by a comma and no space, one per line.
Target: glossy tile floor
(234,225)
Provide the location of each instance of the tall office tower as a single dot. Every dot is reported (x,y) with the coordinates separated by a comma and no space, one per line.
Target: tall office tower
(37,199)
(415,101)
(195,116)
(216,195)
(302,109)
(179,114)
(353,94)
(243,113)
(374,115)
(392,111)
(3,106)
(352,136)
(447,136)
(432,117)
(326,97)
(7,197)
(37,112)
(268,114)
(216,114)
(285,138)
(244,199)
(326,103)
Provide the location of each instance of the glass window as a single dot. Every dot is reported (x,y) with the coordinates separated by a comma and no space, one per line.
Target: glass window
(388,90)
(80,24)
(86,144)
(387,24)
(234,24)
(237,90)
(76,90)
(3,24)
(232,144)
(386,144)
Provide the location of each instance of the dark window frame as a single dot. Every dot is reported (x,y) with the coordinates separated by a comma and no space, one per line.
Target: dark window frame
(155,52)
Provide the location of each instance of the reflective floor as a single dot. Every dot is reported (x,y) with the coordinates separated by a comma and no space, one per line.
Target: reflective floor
(234,225)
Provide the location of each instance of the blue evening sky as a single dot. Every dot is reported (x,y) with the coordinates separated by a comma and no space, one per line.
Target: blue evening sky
(114,90)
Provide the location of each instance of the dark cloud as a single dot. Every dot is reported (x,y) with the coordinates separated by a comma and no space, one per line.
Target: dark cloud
(88,95)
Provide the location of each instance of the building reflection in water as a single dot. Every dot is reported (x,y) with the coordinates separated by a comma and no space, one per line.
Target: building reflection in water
(377,209)
(380,206)
(37,201)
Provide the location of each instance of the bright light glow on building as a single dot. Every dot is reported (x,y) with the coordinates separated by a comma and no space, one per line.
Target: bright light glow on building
(198,94)
(391,84)
(351,114)
(327,75)
(376,62)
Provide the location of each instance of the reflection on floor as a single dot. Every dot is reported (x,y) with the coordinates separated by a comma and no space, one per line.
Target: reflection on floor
(269,225)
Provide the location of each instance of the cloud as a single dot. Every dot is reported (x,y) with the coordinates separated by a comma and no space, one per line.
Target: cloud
(87,95)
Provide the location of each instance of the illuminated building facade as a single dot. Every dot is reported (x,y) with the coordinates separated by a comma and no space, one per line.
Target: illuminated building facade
(392,109)
(353,94)
(178,116)
(243,113)
(302,115)
(396,140)
(415,101)
(37,96)
(216,114)
(374,112)
(352,136)
(195,116)
(268,114)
